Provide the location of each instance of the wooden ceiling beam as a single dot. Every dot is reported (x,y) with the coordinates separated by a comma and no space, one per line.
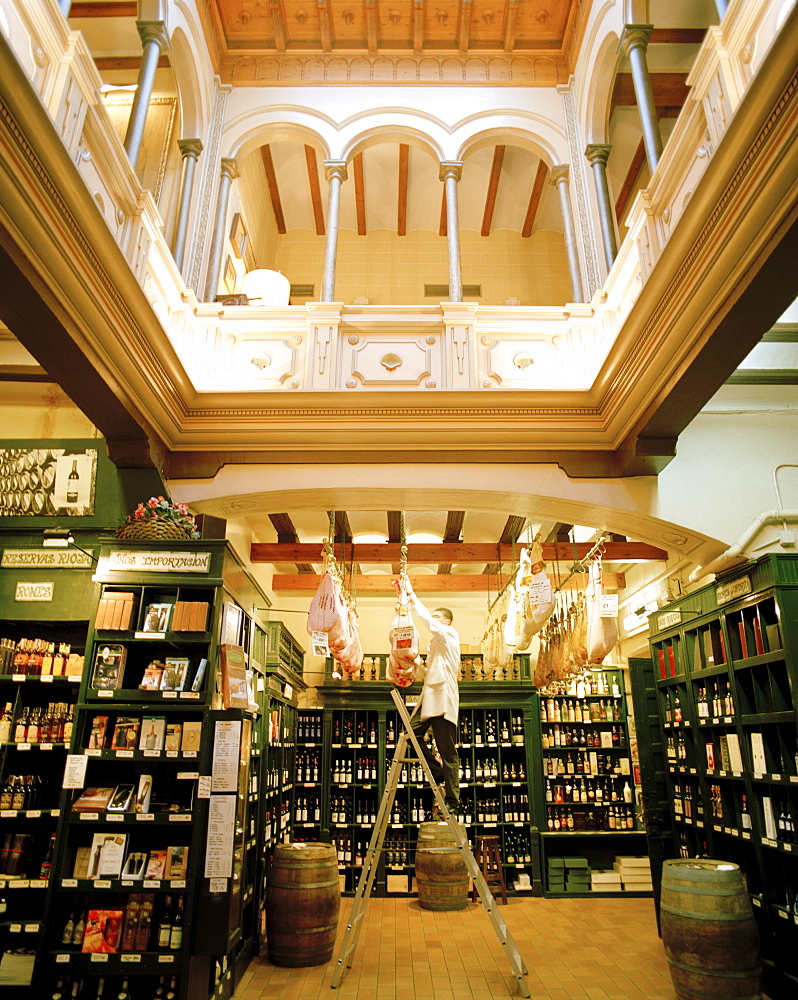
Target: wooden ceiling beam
(360,194)
(325,25)
(278,22)
(401,220)
(395,533)
(429,553)
(493,189)
(286,535)
(315,189)
(534,198)
(372,27)
(630,181)
(677,36)
(274,190)
(510,22)
(124,8)
(464,26)
(453,532)
(423,583)
(669,90)
(418,26)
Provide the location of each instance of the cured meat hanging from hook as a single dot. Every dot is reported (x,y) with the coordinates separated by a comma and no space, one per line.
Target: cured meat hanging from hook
(537,604)
(602,633)
(330,613)
(403,658)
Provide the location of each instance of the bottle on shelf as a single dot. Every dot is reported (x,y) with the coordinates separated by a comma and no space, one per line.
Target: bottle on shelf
(176,935)
(165,924)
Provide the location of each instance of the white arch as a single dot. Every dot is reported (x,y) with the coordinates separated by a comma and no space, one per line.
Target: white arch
(600,61)
(248,131)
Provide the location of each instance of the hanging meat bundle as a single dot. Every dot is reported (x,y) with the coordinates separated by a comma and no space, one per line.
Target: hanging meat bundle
(330,613)
(403,658)
(602,632)
(535,596)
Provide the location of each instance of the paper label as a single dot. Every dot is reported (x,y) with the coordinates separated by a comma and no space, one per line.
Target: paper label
(217,885)
(321,643)
(99,957)
(115,818)
(608,606)
(102,693)
(89,817)
(61,959)
(69,883)
(145,818)
(131,957)
(204,787)
(169,694)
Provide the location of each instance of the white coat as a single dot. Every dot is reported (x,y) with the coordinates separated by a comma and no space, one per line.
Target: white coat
(440,695)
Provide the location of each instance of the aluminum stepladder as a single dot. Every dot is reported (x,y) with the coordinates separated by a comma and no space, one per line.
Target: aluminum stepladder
(371,860)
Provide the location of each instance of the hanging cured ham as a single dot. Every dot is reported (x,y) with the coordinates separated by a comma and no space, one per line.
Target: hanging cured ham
(602,633)
(330,613)
(537,598)
(403,659)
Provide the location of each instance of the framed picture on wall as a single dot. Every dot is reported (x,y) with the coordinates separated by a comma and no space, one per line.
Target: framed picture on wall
(230,277)
(238,235)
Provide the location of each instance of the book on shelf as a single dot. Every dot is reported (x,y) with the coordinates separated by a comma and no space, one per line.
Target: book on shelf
(177,861)
(759,642)
(115,611)
(758,759)
(743,639)
(107,855)
(233,663)
(94,799)
(735,756)
(196,684)
(190,616)
(80,866)
(153,732)
(156,864)
(774,637)
(109,667)
(770,818)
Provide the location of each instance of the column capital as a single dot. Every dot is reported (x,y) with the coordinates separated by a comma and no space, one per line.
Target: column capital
(228,168)
(635,36)
(335,168)
(189,147)
(153,31)
(559,174)
(450,168)
(598,153)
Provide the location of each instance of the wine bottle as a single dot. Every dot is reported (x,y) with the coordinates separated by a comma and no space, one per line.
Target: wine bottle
(171,993)
(69,930)
(124,993)
(165,924)
(73,482)
(58,992)
(80,930)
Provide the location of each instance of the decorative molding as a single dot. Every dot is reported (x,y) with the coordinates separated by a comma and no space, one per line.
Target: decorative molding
(207,192)
(587,238)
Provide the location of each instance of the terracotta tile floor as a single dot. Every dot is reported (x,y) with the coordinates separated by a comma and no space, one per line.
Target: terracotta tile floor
(574,949)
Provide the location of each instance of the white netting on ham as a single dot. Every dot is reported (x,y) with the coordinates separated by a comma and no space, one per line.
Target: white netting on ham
(325,609)
(330,613)
(602,633)
(536,598)
(401,669)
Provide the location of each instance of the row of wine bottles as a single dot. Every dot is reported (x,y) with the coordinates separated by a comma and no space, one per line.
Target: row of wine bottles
(38,657)
(106,988)
(51,723)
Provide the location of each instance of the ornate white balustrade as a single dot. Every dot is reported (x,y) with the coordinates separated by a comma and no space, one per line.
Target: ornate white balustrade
(458,346)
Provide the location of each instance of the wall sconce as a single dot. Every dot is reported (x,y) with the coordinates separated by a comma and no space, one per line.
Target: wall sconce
(61,538)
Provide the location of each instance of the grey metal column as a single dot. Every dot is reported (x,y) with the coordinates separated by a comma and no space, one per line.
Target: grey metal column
(559,178)
(597,156)
(634,43)
(229,172)
(190,150)
(450,173)
(335,174)
(153,38)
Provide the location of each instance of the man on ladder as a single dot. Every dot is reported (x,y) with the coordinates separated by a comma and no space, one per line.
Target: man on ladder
(439,702)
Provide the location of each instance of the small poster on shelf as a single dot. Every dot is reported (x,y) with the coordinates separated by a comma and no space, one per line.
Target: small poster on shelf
(174,674)
(156,618)
(109,667)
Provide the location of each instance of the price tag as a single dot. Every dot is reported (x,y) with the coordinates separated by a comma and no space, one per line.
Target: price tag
(152,753)
(180,817)
(115,818)
(99,956)
(127,883)
(728,720)
(145,817)
(171,753)
(794,779)
(89,817)
(775,777)
(69,883)
(190,754)
(94,753)
(190,695)
(178,883)
(169,694)
(693,771)
(31,928)
(73,678)
(737,774)
(718,828)
(102,883)
(217,885)
(746,834)
(756,902)
(489,784)
(15,928)
(149,635)
(783,914)
(105,694)
(608,606)
(18,678)
(131,957)
(151,883)
(61,959)
(38,883)
(759,777)
(787,847)
(33,813)
(187,775)
(125,753)
(8,813)
(166,959)
(23,746)
(47,679)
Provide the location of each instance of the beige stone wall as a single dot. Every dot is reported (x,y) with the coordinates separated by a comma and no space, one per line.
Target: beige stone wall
(386,268)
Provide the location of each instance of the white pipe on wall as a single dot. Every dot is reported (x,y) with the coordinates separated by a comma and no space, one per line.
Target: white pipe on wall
(768,517)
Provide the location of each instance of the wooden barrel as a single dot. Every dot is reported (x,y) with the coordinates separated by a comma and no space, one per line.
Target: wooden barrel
(303,896)
(709,932)
(441,873)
